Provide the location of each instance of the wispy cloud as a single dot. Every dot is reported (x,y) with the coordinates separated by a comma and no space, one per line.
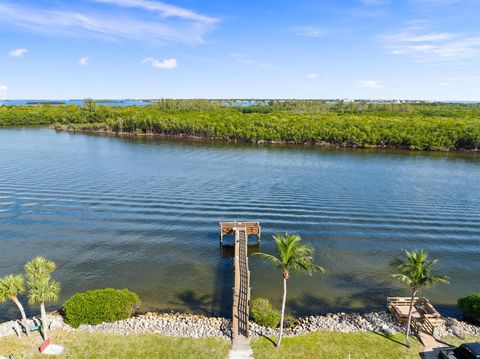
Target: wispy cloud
(455,80)
(373,84)
(375,2)
(309,31)
(190,27)
(438,2)
(84,61)
(166,64)
(3,92)
(312,76)
(165,10)
(464,78)
(243,59)
(432,36)
(425,46)
(18,52)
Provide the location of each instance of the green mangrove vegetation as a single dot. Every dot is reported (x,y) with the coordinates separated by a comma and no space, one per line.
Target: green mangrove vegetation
(415,126)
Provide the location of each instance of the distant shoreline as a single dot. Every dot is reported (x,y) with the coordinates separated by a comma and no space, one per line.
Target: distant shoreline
(428,127)
(259,142)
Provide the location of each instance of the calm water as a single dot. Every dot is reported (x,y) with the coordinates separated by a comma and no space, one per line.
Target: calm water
(113,103)
(144,214)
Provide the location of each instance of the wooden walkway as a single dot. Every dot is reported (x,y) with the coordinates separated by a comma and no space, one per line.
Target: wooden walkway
(241,289)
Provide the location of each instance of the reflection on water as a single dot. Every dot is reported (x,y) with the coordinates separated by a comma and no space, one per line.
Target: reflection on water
(143,213)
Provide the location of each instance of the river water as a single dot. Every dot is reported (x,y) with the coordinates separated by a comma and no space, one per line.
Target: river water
(143,214)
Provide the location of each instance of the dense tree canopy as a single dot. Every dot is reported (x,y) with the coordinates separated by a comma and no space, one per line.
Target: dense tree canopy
(423,126)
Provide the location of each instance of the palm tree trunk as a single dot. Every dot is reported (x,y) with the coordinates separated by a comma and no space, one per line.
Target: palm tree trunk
(409,321)
(22,312)
(283,311)
(44,321)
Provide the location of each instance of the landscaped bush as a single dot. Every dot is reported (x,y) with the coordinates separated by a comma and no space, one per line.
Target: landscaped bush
(470,306)
(100,305)
(263,313)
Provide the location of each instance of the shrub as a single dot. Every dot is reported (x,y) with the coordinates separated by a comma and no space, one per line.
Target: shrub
(289,321)
(98,306)
(263,313)
(470,306)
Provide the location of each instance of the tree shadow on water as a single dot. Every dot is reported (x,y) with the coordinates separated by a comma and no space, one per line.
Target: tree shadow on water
(366,294)
(223,284)
(194,302)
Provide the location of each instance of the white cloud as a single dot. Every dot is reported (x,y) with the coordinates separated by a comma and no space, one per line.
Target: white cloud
(434,37)
(439,47)
(374,2)
(438,2)
(113,24)
(165,10)
(464,78)
(166,64)
(312,76)
(373,84)
(84,61)
(3,92)
(309,31)
(18,52)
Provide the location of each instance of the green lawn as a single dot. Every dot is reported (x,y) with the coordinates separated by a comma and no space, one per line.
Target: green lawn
(337,345)
(103,345)
(314,345)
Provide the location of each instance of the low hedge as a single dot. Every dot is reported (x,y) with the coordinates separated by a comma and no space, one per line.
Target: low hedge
(470,306)
(263,314)
(100,305)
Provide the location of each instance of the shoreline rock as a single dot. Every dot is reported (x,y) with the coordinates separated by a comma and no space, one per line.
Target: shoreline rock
(198,326)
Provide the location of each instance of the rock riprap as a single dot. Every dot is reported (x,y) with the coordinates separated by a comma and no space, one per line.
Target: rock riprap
(198,326)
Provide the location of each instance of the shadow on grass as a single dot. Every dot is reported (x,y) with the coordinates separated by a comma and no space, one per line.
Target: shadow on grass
(389,337)
(269,339)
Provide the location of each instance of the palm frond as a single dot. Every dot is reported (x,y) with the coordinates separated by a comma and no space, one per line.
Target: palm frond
(293,255)
(269,258)
(11,286)
(416,270)
(39,268)
(44,291)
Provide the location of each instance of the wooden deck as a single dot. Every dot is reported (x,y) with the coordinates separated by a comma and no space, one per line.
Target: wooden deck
(228,228)
(425,318)
(241,289)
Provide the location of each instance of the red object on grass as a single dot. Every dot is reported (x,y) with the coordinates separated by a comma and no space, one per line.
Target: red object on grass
(44,346)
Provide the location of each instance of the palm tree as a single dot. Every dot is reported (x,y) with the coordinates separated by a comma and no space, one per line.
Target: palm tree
(293,256)
(415,272)
(39,268)
(10,287)
(41,287)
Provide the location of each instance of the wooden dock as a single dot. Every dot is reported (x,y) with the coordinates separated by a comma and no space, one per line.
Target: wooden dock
(425,318)
(241,289)
(228,228)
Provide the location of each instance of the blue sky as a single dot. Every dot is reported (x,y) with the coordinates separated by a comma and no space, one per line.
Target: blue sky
(412,49)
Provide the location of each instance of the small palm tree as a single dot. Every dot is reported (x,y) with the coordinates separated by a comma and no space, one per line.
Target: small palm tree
(293,256)
(10,287)
(416,272)
(39,268)
(41,288)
